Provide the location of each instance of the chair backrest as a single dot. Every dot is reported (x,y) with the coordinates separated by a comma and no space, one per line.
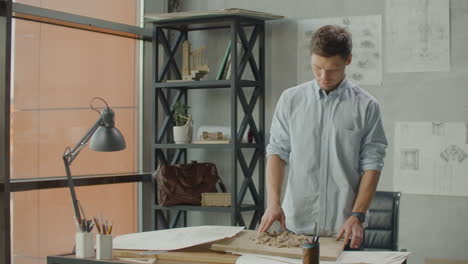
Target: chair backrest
(382,230)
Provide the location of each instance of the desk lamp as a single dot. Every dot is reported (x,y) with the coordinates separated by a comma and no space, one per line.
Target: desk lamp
(103,136)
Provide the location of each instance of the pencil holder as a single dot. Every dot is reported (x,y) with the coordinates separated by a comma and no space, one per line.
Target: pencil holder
(311,253)
(103,247)
(84,244)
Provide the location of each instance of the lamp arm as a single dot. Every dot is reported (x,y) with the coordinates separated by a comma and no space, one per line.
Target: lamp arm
(82,143)
(68,158)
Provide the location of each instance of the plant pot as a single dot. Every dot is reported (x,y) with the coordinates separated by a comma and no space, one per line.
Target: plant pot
(182,134)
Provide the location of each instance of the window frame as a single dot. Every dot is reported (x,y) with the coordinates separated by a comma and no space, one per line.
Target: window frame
(9,11)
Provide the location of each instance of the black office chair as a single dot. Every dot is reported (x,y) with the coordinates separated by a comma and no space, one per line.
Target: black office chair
(382,230)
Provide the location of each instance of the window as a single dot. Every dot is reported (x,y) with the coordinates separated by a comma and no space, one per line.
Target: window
(56,71)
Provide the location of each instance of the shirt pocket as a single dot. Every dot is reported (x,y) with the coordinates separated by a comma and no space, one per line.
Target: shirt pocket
(348,146)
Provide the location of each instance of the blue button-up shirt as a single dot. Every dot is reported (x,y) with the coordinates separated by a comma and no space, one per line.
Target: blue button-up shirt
(328,141)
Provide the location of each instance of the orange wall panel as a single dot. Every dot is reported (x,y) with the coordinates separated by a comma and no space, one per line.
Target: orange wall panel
(26,65)
(120,11)
(25,225)
(24,146)
(78,65)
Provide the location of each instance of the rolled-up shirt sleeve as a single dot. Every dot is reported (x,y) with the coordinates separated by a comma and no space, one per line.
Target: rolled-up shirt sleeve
(280,143)
(374,141)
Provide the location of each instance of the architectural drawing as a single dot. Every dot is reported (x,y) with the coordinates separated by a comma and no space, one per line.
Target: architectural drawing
(431,158)
(438,129)
(366,65)
(418,35)
(453,153)
(409,159)
(466,133)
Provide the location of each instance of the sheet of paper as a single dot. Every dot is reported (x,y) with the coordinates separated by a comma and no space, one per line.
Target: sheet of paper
(431,158)
(347,257)
(373,257)
(176,238)
(417,35)
(247,258)
(366,65)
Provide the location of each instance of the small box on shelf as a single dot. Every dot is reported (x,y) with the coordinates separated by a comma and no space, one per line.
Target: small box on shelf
(216,199)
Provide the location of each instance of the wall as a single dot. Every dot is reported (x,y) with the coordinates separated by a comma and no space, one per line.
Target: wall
(430,226)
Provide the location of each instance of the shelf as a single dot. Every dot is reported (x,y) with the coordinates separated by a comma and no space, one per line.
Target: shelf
(221,209)
(213,84)
(205,146)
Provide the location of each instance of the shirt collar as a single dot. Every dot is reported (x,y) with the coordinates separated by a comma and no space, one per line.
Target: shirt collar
(338,90)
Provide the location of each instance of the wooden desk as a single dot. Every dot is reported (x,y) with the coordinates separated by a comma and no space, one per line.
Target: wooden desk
(71,259)
(194,255)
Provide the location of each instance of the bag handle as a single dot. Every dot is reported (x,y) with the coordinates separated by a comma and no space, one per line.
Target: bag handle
(221,185)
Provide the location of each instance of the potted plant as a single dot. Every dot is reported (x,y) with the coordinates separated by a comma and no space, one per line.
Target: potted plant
(182,124)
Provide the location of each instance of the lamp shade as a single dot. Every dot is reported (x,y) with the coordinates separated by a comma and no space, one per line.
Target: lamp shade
(107,139)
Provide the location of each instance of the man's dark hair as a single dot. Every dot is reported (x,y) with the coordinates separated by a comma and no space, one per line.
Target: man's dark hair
(329,41)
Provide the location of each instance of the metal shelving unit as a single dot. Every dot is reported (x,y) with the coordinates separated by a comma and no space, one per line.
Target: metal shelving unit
(166,94)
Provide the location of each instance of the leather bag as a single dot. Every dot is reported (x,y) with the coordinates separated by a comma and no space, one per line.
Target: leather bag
(183,184)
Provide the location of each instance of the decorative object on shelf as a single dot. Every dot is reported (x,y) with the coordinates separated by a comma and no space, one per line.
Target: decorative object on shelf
(194,67)
(183,184)
(103,136)
(250,135)
(212,136)
(216,199)
(183,124)
(219,135)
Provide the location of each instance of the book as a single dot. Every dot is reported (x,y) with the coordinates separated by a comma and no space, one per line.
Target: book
(224,62)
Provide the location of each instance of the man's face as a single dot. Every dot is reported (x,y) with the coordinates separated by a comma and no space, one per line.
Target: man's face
(329,72)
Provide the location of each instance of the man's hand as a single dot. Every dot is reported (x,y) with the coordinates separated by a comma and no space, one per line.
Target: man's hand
(352,228)
(272,214)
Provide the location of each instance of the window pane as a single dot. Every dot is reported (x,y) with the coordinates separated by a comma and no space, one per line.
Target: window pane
(42,221)
(120,11)
(57,71)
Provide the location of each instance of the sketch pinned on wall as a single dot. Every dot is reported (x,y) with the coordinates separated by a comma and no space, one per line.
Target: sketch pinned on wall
(431,158)
(409,159)
(418,35)
(466,133)
(366,65)
(438,129)
(453,153)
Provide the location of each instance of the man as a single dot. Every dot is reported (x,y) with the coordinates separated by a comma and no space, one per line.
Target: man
(329,131)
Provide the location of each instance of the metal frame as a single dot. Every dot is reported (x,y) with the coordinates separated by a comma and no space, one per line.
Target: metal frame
(167,153)
(43,15)
(21,185)
(5,59)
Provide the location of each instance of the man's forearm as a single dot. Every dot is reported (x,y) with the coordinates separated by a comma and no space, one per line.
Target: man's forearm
(275,176)
(366,191)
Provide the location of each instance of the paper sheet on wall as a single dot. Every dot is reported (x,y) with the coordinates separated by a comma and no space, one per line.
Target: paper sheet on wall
(417,35)
(431,158)
(366,65)
(176,238)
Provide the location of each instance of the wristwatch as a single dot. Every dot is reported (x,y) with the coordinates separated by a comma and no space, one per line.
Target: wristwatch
(360,216)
